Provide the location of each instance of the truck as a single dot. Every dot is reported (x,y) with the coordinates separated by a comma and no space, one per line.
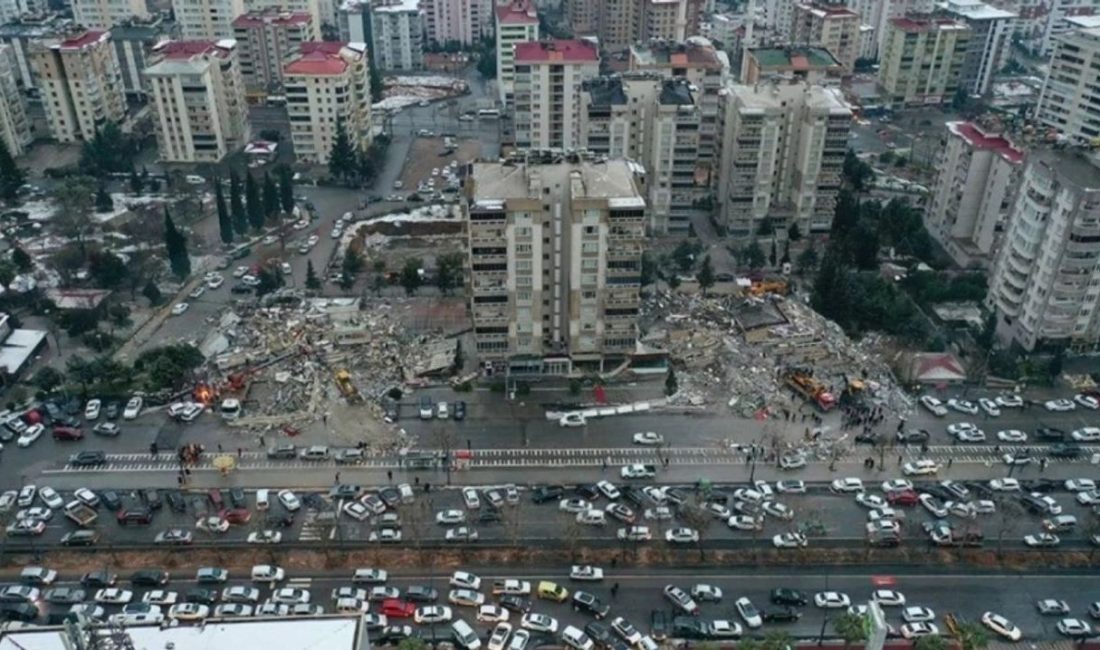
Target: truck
(80,513)
(811,389)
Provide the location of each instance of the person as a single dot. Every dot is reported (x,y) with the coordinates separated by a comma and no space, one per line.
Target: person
(614,589)
(389,475)
(337,478)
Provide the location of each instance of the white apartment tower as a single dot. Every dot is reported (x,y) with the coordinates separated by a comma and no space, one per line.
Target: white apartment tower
(516,22)
(197,94)
(80,84)
(397,27)
(104,14)
(549,75)
(326,84)
(1072,87)
(783,151)
(555,251)
(979,170)
(206,19)
(15,128)
(266,39)
(831,26)
(1045,286)
(987,49)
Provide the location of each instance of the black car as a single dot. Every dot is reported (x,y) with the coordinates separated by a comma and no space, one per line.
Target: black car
(688,627)
(97,580)
(152,499)
(635,496)
(25,612)
(658,625)
(135,516)
(785,596)
(345,491)
(238,498)
(88,459)
(240,288)
(283,451)
(676,496)
(981,489)
(1065,451)
(913,435)
(392,410)
(590,604)
(1041,485)
(786,615)
(80,538)
(1050,433)
(175,501)
(590,491)
(392,635)
(110,500)
(938,491)
(1033,505)
(149,578)
(866,438)
(544,493)
(390,496)
(202,595)
(514,603)
(422,594)
(489,515)
(599,633)
(112,410)
(460,410)
(279,521)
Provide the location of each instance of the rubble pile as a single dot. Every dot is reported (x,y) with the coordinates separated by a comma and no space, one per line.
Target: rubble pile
(736,349)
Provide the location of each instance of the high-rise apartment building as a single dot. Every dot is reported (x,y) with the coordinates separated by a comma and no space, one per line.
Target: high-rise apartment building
(922,60)
(398,30)
(26,32)
(623,23)
(80,84)
(876,13)
(583,16)
(1071,91)
(517,21)
(655,121)
(548,82)
(197,95)
(1045,286)
(831,26)
(666,20)
(311,7)
(15,128)
(1041,23)
(14,9)
(266,39)
(815,65)
(620,23)
(206,19)
(461,21)
(987,48)
(134,42)
(783,152)
(326,85)
(104,14)
(979,170)
(555,251)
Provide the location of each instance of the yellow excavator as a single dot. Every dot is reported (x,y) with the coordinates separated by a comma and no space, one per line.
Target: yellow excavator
(350,392)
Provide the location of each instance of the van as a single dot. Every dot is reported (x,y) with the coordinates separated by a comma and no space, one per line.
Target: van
(263,499)
(576,639)
(1060,523)
(464,635)
(427,410)
(552,591)
(350,606)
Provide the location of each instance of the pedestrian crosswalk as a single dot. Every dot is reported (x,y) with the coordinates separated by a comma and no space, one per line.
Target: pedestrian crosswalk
(310,531)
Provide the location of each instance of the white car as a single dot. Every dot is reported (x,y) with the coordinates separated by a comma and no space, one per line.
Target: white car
(648,438)
(962,406)
(1011,435)
(265,537)
(721,628)
(356,510)
(289,500)
(188,611)
(585,572)
(87,497)
(933,405)
(706,593)
(592,517)
(1087,401)
(1009,401)
(431,614)
(160,597)
(1005,485)
(574,505)
(539,622)
(1060,405)
(872,501)
(214,281)
(896,485)
(466,597)
(267,573)
(1042,540)
(1052,606)
(113,596)
(450,517)
(681,536)
(133,408)
(1074,627)
(792,461)
(465,580)
(50,497)
(626,631)
(778,510)
(748,612)
(932,505)
(1080,485)
(888,598)
(789,540)
(1090,498)
(385,535)
(461,534)
(918,615)
(33,433)
(1086,434)
(1001,626)
(917,630)
(847,485)
(290,596)
(638,471)
(966,432)
(831,600)
(608,489)
(491,614)
(660,513)
(991,408)
(717,509)
(197,292)
(635,534)
(572,420)
(745,522)
(91,410)
(471,498)
(179,308)
(923,467)
(791,487)
(229,610)
(499,636)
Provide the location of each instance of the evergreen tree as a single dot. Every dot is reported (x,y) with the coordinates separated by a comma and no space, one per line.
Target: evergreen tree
(342,161)
(103,202)
(312,281)
(176,245)
(252,202)
(705,276)
(773,257)
(152,293)
(410,276)
(225,223)
(671,385)
(794,233)
(270,197)
(286,188)
(236,205)
(136,184)
(11,176)
(22,260)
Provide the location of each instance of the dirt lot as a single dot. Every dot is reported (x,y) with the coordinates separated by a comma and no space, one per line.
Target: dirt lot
(425,155)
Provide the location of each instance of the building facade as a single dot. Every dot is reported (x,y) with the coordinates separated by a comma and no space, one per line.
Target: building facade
(516,22)
(815,65)
(979,170)
(666,20)
(22,34)
(15,128)
(583,16)
(830,26)
(398,30)
(327,84)
(876,13)
(1071,90)
(1045,286)
(783,150)
(134,41)
(197,94)
(457,21)
(922,60)
(266,39)
(555,252)
(549,75)
(105,14)
(80,84)
(206,19)
(987,48)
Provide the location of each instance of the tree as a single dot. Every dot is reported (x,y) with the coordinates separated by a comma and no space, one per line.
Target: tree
(107,269)
(766,227)
(103,202)
(176,245)
(47,378)
(312,281)
(930,642)
(411,643)
(850,628)
(119,315)
(7,273)
(705,276)
(21,259)
(347,280)
(794,233)
(75,198)
(286,188)
(271,278)
(858,173)
(971,636)
(110,151)
(376,84)
(410,275)
(252,202)
(82,370)
(342,161)
(752,255)
(11,176)
(778,640)
(671,384)
(270,197)
(448,272)
(773,256)
(807,259)
(487,58)
(225,222)
(236,205)
(136,183)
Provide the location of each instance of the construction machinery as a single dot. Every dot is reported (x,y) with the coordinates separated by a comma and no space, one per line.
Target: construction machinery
(811,389)
(762,287)
(348,389)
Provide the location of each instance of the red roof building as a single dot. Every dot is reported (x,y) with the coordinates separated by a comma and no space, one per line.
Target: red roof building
(563,51)
(519,12)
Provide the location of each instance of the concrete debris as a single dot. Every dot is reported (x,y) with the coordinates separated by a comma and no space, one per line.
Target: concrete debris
(737,349)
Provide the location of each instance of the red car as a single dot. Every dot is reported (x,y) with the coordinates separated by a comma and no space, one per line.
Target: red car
(67,433)
(395,608)
(902,498)
(236,515)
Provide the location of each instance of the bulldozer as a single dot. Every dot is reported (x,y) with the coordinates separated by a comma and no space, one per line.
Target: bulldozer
(348,389)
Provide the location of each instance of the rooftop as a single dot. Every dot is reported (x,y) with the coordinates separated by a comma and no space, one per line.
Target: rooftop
(605,91)
(559,50)
(793,58)
(322,58)
(676,91)
(763,97)
(495,181)
(976,10)
(517,12)
(1072,167)
(191,49)
(398,6)
(913,24)
(696,52)
(90,37)
(828,10)
(979,139)
(37,26)
(1083,21)
(272,17)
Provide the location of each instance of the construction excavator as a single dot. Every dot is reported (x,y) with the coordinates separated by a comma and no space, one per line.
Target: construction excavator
(347,388)
(811,389)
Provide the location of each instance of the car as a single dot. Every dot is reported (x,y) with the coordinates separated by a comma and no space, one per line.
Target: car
(962,406)
(88,459)
(465,597)
(1059,405)
(635,534)
(706,593)
(745,522)
(831,600)
(1042,540)
(290,596)
(932,505)
(872,501)
(113,596)
(792,461)
(934,406)
(789,540)
(51,498)
(174,536)
(30,435)
(274,610)
(385,536)
(471,498)
(396,608)
(1052,607)
(465,580)
(109,429)
(918,630)
(847,485)
(913,436)
(648,438)
(1050,433)
(1080,485)
(1088,401)
(990,407)
(461,534)
(132,408)
(432,614)
(915,614)
(289,500)
(888,598)
(1005,485)
(1074,627)
(896,485)
(267,573)
(189,611)
(1086,434)
(499,636)
(233,610)
(211,575)
(214,282)
(450,517)
(637,471)
(620,512)
(790,487)
(585,573)
(1002,626)
(91,409)
(681,600)
(608,489)
(65,433)
(539,623)
(789,597)
(64,595)
(149,578)
(584,601)
(682,535)
(966,432)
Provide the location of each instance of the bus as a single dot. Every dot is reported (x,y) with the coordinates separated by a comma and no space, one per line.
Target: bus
(488,114)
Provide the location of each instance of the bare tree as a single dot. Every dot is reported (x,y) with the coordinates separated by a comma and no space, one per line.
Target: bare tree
(700,520)
(75,198)
(444,439)
(1011,512)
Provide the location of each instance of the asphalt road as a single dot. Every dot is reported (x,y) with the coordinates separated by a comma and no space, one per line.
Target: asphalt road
(639,594)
